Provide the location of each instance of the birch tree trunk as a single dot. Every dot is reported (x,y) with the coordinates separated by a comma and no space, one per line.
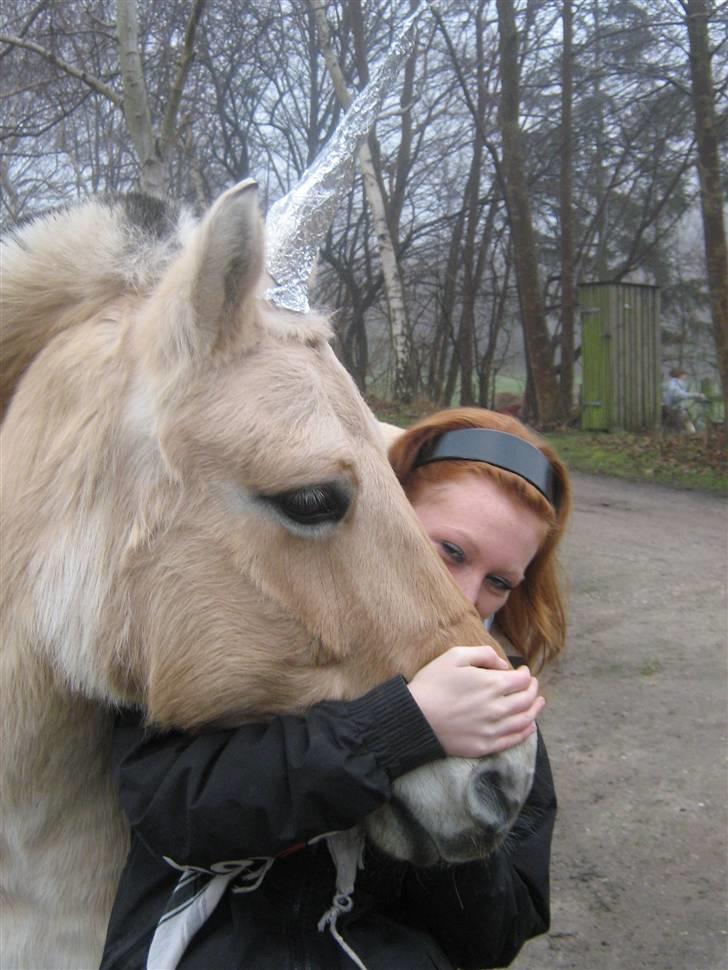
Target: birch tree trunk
(711,192)
(153,169)
(398,321)
(152,148)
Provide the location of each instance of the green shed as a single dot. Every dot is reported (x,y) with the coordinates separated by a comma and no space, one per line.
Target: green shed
(620,343)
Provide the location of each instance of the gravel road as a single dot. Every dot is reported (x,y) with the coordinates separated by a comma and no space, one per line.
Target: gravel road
(636,727)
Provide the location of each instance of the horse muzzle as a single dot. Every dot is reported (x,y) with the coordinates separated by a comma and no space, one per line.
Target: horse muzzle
(455,810)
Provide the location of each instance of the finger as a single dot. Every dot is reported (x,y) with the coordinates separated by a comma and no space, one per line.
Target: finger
(517,680)
(507,741)
(511,706)
(521,700)
(481,656)
(519,722)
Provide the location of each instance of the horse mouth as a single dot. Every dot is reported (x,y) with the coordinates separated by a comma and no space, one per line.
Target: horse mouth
(454,810)
(426,848)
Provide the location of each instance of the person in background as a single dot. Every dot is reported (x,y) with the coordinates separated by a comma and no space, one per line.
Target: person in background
(494,499)
(675,400)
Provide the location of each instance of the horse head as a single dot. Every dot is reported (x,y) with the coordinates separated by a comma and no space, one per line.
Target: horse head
(199,519)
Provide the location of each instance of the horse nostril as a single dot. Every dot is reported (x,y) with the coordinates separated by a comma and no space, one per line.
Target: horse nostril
(493,802)
(492,778)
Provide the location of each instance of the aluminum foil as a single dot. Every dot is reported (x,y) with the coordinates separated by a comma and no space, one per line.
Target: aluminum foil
(297,224)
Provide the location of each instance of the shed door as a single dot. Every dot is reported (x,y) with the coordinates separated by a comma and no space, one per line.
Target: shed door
(596,372)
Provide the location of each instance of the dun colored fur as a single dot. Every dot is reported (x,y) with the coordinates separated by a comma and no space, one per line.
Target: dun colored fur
(155,411)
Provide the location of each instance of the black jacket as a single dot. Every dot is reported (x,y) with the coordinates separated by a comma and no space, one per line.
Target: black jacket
(262,790)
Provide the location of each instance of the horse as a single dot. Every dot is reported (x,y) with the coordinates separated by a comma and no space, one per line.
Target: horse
(199,520)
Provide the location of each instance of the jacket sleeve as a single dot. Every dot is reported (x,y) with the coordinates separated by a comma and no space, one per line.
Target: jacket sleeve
(482,913)
(259,789)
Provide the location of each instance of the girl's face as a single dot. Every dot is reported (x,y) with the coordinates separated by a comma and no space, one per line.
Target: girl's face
(486,537)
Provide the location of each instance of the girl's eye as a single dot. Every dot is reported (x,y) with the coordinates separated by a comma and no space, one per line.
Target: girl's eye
(453,552)
(502,585)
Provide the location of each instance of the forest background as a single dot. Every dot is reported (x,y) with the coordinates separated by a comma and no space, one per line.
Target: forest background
(529,146)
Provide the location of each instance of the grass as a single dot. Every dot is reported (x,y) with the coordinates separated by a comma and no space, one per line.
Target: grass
(400,414)
(683,461)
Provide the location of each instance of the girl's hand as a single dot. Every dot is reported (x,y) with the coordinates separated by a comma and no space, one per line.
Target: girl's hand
(476,704)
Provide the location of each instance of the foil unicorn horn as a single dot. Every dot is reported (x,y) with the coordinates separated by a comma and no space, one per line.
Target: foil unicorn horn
(297,223)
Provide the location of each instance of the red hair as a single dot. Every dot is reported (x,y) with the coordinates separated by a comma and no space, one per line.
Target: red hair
(534,617)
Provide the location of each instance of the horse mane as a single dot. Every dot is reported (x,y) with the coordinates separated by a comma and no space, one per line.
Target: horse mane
(65,265)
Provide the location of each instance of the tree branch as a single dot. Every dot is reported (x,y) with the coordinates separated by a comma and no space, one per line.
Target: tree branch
(187,54)
(88,79)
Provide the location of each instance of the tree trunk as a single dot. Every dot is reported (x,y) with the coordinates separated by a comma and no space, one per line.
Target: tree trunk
(486,377)
(711,193)
(152,148)
(447,298)
(398,321)
(535,330)
(356,350)
(601,229)
(154,176)
(465,345)
(566,216)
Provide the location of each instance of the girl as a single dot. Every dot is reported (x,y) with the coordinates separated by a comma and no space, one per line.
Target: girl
(494,499)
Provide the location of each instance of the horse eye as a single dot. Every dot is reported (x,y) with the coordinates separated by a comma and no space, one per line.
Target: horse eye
(313,504)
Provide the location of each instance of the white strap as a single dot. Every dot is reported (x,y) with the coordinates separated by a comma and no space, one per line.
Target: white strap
(347,849)
(199,890)
(197,893)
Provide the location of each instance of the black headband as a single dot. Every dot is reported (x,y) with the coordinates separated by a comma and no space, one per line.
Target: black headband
(505,451)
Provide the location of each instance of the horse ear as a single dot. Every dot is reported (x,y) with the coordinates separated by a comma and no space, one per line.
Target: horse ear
(206,300)
(229,263)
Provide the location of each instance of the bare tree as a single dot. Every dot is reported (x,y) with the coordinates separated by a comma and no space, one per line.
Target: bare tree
(399,324)
(711,191)
(151,144)
(243,90)
(566,217)
(535,329)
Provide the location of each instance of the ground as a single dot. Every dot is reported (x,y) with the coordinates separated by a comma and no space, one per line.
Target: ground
(636,729)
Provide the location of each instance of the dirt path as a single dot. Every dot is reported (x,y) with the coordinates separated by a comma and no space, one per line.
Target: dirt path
(636,729)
